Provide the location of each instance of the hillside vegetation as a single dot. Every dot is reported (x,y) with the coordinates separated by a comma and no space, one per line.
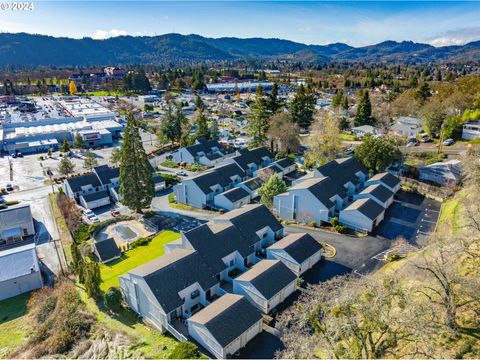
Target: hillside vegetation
(35,50)
(426,304)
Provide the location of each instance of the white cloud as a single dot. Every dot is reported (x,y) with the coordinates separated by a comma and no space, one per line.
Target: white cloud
(455,37)
(105,34)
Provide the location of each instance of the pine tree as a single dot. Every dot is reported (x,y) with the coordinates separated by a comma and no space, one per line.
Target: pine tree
(364,109)
(171,128)
(92,278)
(136,184)
(423,92)
(202,126)
(65,146)
(302,107)
(214,130)
(199,103)
(90,161)
(115,156)
(78,142)
(273,186)
(274,103)
(337,99)
(66,166)
(258,120)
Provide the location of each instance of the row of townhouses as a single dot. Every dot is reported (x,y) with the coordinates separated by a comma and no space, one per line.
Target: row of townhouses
(341,188)
(233,184)
(204,152)
(19,265)
(100,187)
(215,282)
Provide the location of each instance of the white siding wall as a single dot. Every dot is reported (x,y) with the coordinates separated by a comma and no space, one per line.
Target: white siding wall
(356,220)
(187,192)
(251,293)
(307,207)
(20,285)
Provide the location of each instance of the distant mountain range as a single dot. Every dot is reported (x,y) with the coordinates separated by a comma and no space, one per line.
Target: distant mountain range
(34,50)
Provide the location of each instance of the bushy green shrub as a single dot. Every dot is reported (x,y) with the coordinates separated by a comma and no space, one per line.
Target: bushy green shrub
(113,299)
(342,229)
(334,221)
(81,234)
(142,241)
(185,350)
(313,223)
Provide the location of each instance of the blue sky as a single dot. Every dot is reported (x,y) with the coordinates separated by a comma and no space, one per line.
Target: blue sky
(355,23)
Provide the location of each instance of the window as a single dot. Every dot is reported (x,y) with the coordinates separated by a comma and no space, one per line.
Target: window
(195,294)
(232,262)
(264,235)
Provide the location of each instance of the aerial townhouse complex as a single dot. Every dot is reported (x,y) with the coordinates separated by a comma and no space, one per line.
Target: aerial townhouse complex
(339,189)
(215,284)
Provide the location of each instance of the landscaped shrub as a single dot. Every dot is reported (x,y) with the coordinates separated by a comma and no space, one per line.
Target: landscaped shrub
(142,241)
(334,221)
(185,350)
(171,198)
(170,179)
(81,234)
(342,229)
(113,299)
(312,223)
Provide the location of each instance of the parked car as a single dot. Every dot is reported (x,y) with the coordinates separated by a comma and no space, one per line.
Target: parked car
(9,187)
(181,173)
(19,154)
(425,138)
(13,155)
(114,212)
(412,142)
(88,213)
(94,219)
(448,142)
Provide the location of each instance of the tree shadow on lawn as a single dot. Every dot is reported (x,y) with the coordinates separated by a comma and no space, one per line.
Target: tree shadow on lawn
(13,308)
(112,263)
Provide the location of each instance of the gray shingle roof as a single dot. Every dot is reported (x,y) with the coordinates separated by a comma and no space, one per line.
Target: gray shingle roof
(367,207)
(386,178)
(106,173)
(323,188)
(341,171)
(228,317)
(217,176)
(96,196)
(18,261)
(253,183)
(107,249)
(235,194)
(269,277)
(378,191)
(253,156)
(285,162)
(173,272)
(77,182)
(300,246)
(204,146)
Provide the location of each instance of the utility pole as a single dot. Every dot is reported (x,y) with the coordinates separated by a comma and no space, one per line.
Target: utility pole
(10,163)
(50,176)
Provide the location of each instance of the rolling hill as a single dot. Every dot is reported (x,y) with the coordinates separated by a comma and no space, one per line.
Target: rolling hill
(23,49)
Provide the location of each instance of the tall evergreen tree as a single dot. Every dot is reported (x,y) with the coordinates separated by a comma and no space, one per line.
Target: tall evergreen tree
(90,161)
(364,109)
(258,120)
(78,141)
(136,183)
(214,130)
(274,103)
(171,128)
(302,107)
(202,126)
(92,278)
(66,166)
(65,146)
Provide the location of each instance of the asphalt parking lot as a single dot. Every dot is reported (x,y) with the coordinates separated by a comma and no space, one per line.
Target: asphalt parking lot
(174,222)
(411,216)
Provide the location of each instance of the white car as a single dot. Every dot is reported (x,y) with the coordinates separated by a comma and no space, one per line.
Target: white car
(94,219)
(88,213)
(448,142)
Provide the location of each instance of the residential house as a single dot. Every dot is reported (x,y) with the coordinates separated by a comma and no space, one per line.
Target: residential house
(347,172)
(199,191)
(232,199)
(251,186)
(252,160)
(386,179)
(80,186)
(377,193)
(169,289)
(362,215)
(226,325)
(298,251)
(471,130)
(447,173)
(16,223)
(267,284)
(106,250)
(407,126)
(204,152)
(361,131)
(315,199)
(286,165)
(20,271)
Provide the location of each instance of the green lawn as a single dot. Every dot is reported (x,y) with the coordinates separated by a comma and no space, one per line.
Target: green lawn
(151,342)
(134,258)
(346,137)
(451,212)
(13,323)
